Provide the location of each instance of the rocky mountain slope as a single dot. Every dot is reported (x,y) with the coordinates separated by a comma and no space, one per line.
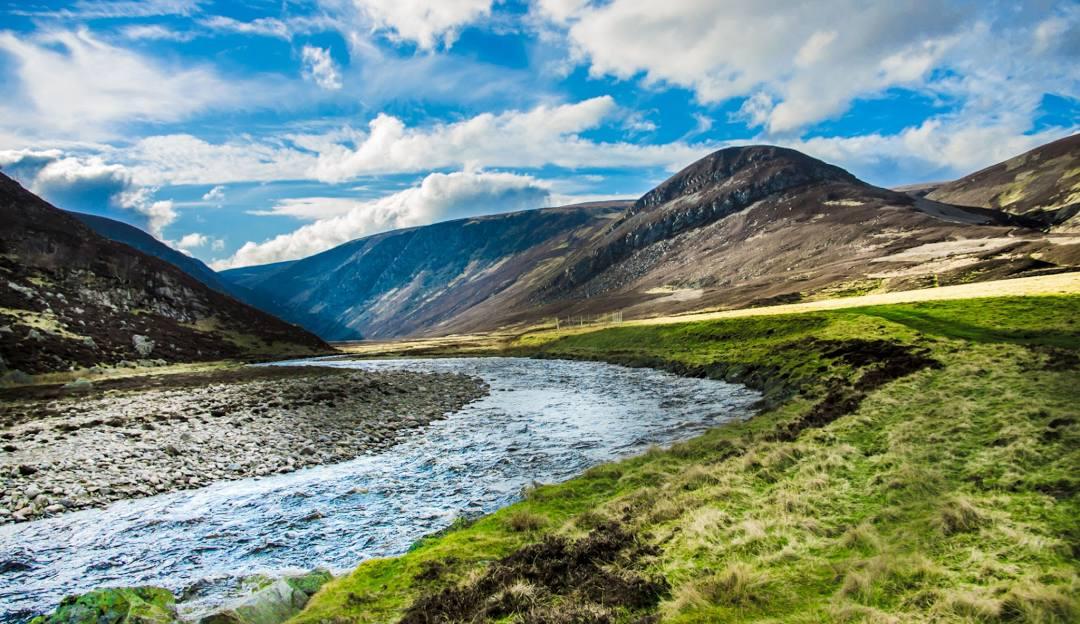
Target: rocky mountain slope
(71,298)
(1043,185)
(741,227)
(140,240)
(760,224)
(419,279)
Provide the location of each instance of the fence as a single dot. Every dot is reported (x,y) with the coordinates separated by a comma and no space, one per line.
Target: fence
(581,320)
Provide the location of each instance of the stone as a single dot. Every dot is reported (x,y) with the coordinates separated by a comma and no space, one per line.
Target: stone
(143,345)
(271,605)
(125,605)
(79,385)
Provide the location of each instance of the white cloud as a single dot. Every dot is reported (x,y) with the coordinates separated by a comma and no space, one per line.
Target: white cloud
(319,67)
(637,122)
(263,26)
(71,82)
(938,149)
(545,135)
(158,213)
(310,208)
(423,22)
(185,159)
(561,10)
(86,184)
(801,63)
(193,240)
(215,194)
(155,32)
(110,9)
(541,136)
(439,197)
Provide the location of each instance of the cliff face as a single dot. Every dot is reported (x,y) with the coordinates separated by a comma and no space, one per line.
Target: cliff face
(71,299)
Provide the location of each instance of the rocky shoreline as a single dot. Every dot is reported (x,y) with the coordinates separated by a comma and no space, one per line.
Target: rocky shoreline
(87,445)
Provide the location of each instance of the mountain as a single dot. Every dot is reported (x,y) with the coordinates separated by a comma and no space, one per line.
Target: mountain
(1042,185)
(140,240)
(420,278)
(237,289)
(74,299)
(744,226)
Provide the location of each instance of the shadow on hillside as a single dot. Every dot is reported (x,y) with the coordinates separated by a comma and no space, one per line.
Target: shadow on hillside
(936,325)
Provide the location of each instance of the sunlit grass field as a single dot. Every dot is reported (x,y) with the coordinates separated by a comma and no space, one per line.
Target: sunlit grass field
(912,463)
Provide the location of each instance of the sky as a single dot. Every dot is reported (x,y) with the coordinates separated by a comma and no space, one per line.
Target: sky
(256,131)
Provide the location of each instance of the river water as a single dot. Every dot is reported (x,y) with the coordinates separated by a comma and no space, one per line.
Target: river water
(544,421)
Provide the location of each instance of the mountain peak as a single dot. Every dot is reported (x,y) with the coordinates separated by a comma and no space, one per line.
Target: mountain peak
(768,167)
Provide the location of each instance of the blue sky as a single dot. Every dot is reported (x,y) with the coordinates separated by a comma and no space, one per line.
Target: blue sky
(264,130)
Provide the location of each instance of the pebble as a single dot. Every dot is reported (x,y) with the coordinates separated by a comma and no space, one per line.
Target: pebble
(76,453)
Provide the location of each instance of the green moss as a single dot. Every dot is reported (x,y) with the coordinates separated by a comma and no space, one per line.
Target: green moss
(311,582)
(947,494)
(136,605)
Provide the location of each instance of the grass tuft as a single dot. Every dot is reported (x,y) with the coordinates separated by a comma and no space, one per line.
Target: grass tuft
(524,521)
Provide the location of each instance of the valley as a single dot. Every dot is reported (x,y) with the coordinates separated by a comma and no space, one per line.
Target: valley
(808,399)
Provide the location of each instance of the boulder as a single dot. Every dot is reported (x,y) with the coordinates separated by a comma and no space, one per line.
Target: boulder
(274,603)
(125,605)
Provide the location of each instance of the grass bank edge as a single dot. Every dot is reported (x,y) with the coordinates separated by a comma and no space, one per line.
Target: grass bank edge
(847,568)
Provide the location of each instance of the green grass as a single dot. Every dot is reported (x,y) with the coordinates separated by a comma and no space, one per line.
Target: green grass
(946,495)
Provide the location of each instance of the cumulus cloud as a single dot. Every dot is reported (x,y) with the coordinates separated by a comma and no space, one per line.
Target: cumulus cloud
(802,63)
(938,149)
(438,197)
(545,135)
(541,136)
(422,22)
(320,68)
(86,184)
(72,82)
(215,194)
(197,240)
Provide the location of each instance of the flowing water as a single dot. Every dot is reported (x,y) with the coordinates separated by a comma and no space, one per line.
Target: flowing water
(544,421)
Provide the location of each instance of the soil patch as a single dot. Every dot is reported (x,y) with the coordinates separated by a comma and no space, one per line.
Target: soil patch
(591,579)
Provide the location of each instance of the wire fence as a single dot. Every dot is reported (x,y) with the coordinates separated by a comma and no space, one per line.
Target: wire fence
(581,320)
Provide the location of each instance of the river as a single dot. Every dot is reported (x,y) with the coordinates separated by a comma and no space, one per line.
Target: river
(544,421)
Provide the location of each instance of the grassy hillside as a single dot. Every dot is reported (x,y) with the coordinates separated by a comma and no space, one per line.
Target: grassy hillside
(914,462)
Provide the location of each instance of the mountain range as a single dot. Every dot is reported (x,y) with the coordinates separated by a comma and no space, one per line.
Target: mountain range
(744,226)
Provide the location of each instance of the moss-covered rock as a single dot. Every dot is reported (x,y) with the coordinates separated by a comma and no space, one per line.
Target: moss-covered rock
(311,582)
(125,605)
(273,603)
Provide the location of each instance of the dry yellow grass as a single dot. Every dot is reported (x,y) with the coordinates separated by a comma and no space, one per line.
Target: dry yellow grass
(1058,284)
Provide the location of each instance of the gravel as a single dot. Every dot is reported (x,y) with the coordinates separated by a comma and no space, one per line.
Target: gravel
(75,452)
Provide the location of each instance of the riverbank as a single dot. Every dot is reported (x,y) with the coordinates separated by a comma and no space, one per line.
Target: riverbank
(915,462)
(86,445)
